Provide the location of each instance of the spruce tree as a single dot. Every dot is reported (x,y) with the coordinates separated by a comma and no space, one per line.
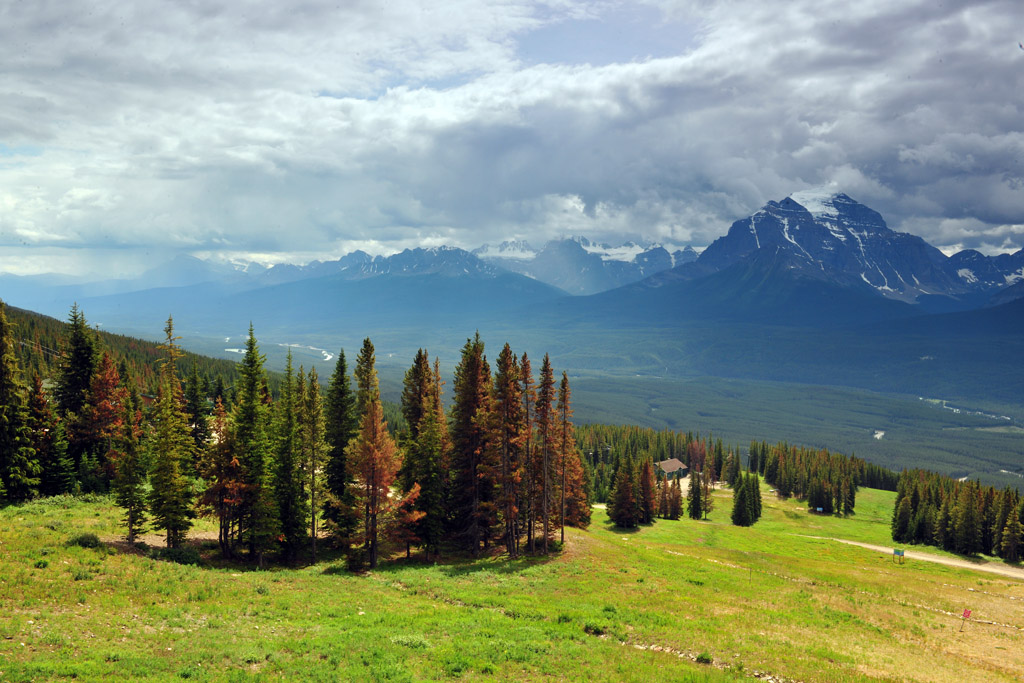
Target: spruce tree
(675,500)
(366,378)
(195,408)
(250,435)
(56,471)
(624,509)
(170,500)
(470,492)
(78,364)
(19,466)
(740,503)
(314,450)
(694,496)
(130,471)
(340,426)
(430,449)
(528,488)
(289,492)
(1010,540)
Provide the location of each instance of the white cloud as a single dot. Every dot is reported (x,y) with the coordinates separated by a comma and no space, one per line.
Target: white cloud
(292,131)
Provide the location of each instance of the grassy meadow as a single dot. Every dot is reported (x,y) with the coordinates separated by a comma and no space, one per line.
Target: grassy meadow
(679,600)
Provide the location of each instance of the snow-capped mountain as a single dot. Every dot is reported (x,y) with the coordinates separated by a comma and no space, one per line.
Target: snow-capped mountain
(581,266)
(845,241)
(509,249)
(988,272)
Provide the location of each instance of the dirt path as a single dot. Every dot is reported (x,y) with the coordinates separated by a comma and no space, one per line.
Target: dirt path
(980,565)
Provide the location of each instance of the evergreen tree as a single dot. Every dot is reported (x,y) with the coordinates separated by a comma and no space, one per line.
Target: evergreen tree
(98,425)
(78,364)
(257,510)
(415,387)
(624,509)
(1010,540)
(222,471)
(430,450)
(19,466)
(675,500)
(170,500)
(314,448)
(528,494)
(576,507)
(289,492)
(470,491)
(340,427)
(56,470)
(505,440)
(130,471)
(647,498)
(195,408)
(366,378)
(695,496)
(707,485)
(741,502)
(544,452)
(375,461)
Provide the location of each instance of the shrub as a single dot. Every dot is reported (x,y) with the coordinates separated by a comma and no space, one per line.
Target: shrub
(177,555)
(704,658)
(42,564)
(86,540)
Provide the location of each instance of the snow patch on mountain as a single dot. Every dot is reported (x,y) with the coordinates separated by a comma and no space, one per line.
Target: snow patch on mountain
(819,201)
(511,249)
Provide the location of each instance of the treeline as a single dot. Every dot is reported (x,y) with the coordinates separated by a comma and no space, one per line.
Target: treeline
(39,346)
(828,481)
(502,468)
(959,516)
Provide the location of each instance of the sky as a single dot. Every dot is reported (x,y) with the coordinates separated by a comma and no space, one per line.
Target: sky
(289,131)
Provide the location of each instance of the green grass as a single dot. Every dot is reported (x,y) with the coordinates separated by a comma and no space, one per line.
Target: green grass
(612,606)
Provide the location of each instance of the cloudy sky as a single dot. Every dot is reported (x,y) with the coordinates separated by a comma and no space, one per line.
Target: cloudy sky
(287,131)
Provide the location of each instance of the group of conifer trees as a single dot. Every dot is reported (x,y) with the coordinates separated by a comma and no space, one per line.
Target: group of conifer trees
(827,481)
(639,494)
(960,516)
(279,472)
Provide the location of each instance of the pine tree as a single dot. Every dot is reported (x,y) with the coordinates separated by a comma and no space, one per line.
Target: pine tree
(78,364)
(375,461)
(707,485)
(675,500)
(576,510)
(741,503)
(663,494)
(366,378)
(257,510)
(430,450)
(19,466)
(289,492)
(415,387)
(195,408)
(695,496)
(340,428)
(624,508)
(528,493)
(470,492)
(222,471)
(647,497)
(1010,541)
(505,438)
(56,473)
(170,500)
(98,424)
(130,471)
(314,449)
(543,458)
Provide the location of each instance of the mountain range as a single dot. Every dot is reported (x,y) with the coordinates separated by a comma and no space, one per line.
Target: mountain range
(848,295)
